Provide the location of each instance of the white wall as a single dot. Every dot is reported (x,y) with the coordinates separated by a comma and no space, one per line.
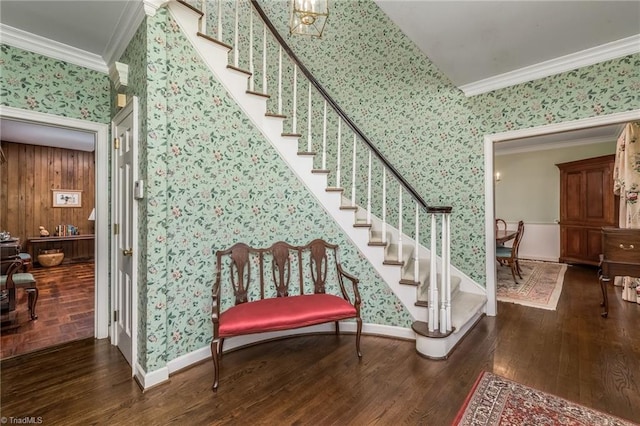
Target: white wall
(529,190)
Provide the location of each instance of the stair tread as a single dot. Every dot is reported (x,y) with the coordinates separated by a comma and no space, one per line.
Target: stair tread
(464,306)
(213,40)
(272,114)
(243,71)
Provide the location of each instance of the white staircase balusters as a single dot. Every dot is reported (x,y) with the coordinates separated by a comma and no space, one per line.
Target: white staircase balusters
(369,190)
(309,123)
(338,161)
(279,80)
(446,268)
(251,66)
(294,119)
(353,173)
(437,293)
(220,20)
(400,234)
(416,249)
(433,280)
(203,20)
(324,137)
(236,45)
(383,237)
(265,89)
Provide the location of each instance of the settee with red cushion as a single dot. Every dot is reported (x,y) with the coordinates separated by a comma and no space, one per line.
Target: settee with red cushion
(278,288)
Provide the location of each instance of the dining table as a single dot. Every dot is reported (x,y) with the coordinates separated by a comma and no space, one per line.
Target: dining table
(504,235)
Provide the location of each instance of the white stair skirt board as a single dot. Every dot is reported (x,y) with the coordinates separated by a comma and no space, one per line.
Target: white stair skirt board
(216,59)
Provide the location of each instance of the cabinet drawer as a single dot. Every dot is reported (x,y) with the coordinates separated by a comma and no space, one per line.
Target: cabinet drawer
(621,245)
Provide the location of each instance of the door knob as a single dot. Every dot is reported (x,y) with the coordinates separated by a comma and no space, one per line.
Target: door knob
(126,252)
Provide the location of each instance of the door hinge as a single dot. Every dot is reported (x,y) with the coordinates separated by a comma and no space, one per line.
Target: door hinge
(115,316)
(116,229)
(116,143)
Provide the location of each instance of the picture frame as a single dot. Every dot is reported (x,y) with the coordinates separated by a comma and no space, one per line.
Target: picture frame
(67,198)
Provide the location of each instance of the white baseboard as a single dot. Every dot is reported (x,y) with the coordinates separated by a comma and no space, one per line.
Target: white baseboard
(153,378)
(161,375)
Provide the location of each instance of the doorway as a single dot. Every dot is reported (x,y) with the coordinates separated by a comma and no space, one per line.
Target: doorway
(489,141)
(101,241)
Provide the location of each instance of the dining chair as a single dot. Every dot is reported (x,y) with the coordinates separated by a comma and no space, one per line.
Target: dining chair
(501,225)
(11,280)
(509,255)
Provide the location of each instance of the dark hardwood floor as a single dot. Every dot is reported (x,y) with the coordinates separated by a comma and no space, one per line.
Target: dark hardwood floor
(318,380)
(65,310)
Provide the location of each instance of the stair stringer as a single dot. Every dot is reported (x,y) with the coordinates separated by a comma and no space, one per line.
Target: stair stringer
(215,56)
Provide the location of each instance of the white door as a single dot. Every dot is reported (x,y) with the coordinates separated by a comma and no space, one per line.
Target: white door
(124,220)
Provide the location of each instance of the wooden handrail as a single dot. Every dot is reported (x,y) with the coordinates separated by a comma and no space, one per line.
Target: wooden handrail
(344,116)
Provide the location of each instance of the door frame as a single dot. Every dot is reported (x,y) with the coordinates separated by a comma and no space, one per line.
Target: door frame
(101,170)
(130,108)
(489,196)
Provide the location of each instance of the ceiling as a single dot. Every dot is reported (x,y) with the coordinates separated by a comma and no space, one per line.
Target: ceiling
(479,45)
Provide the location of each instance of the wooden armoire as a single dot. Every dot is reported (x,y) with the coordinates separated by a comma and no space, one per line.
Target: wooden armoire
(587,203)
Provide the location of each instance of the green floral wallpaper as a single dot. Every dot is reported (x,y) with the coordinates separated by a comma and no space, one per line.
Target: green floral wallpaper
(213,180)
(425,126)
(601,89)
(35,82)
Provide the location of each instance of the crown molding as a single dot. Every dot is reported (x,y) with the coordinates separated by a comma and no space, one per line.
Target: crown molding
(130,19)
(119,74)
(594,55)
(544,146)
(152,6)
(53,49)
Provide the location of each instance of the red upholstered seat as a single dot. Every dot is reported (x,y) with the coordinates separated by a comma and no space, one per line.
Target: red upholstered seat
(282,313)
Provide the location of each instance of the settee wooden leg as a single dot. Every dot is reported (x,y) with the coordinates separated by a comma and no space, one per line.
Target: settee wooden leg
(337,327)
(358,333)
(215,352)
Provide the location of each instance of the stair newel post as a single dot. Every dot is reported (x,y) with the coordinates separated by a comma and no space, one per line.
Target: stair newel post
(444,296)
(236,33)
(433,279)
(353,173)
(251,67)
(295,99)
(219,20)
(369,190)
(400,225)
(279,80)
(324,137)
(416,248)
(309,144)
(384,205)
(338,153)
(447,265)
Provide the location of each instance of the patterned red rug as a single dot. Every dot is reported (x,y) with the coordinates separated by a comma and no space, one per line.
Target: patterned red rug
(494,400)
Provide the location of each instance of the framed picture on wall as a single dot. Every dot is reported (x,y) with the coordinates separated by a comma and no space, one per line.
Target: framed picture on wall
(67,198)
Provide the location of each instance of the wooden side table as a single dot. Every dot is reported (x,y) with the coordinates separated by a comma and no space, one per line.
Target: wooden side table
(620,258)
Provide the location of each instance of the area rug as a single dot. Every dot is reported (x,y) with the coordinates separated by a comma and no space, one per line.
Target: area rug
(540,286)
(494,400)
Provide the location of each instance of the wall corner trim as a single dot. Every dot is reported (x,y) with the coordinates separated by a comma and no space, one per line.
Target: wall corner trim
(152,6)
(153,378)
(119,74)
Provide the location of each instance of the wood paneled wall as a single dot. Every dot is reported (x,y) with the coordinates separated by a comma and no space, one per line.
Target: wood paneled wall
(27,179)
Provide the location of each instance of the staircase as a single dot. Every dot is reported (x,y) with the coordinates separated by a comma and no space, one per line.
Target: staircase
(374,205)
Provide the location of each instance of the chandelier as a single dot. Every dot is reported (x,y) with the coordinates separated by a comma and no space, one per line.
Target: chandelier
(308,17)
